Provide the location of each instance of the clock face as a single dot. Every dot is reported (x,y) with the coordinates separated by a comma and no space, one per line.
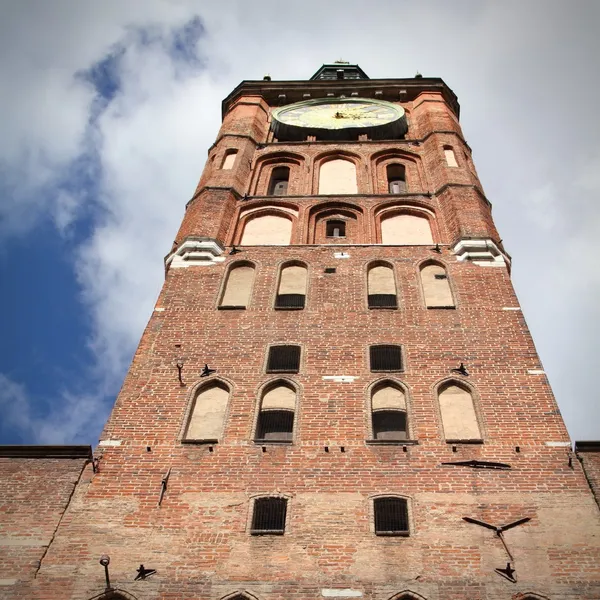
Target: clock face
(339,114)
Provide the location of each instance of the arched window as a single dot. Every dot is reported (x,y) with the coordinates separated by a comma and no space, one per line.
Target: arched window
(396,176)
(405,230)
(388,412)
(291,293)
(229,159)
(238,287)
(276,415)
(267,230)
(278,186)
(458,413)
(335,228)
(381,287)
(208,414)
(337,176)
(450,156)
(436,287)
(391,516)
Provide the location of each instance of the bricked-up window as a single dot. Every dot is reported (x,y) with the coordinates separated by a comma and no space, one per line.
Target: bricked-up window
(385,358)
(276,415)
(267,230)
(280,177)
(457,408)
(436,287)
(283,359)
(388,412)
(238,287)
(396,176)
(381,287)
(208,414)
(268,517)
(450,156)
(337,176)
(391,516)
(335,228)
(406,230)
(291,293)
(229,159)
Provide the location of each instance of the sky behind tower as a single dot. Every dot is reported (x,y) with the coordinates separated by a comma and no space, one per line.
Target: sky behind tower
(108,110)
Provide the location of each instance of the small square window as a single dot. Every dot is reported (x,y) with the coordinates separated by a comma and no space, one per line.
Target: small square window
(283,359)
(268,517)
(385,358)
(391,516)
(335,228)
(330,269)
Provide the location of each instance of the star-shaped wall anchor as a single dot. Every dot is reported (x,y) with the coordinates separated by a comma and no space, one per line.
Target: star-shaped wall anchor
(143,573)
(507,573)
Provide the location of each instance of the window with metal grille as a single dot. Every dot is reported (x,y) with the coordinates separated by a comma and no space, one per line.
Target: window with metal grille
(335,228)
(382,301)
(391,516)
(268,517)
(290,301)
(283,359)
(385,358)
(389,425)
(279,181)
(291,292)
(275,426)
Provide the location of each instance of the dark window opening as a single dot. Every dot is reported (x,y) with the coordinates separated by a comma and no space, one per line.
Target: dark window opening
(279,181)
(336,228)
(290,301)
(389,425)
(329,270)
(385,358)
(441,276)
(382,301)
(275,425)
(340,73)
(284,359)
(269,516)
(396,176)
(391,516)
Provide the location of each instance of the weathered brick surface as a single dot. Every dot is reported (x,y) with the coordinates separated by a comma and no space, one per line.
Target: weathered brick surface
(199,540)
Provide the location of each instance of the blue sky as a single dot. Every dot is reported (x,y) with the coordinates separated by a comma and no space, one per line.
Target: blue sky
(107,115)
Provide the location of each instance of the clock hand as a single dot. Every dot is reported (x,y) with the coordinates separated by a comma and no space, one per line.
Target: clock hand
(471,520)
(514,524)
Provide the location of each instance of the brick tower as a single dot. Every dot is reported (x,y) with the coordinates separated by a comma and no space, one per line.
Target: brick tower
(336,395)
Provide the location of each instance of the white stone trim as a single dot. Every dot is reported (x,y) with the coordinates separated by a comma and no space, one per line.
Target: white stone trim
(559,444)
(484,253)
(340,593)
(193,253)
(285,209)
(110,443)
(339,378)
(536,372)
(341,255)
(510,308)
(159,310)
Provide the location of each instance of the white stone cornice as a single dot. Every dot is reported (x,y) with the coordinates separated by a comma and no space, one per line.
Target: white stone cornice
(196,252)
(482,252)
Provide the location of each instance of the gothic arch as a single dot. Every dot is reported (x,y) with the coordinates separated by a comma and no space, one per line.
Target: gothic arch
(393,382)
(251,231)
(412,163)
(436,294)
(392,210)
(240,595)
(222,299)
(265,165)
(114,594)
(326,157)
(529,596)
(353,214)
(407,595)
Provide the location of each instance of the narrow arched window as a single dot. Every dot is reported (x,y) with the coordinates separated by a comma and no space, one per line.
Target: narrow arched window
(406,230)
(436,287)
(391,516)
(208,414)
(381,287)
(291,293)
(335,228)
(458,413)
(337,176)
(280,177)
(450,156)
(388,413)
(238,287)
(396,177)
(276,415)
(229,159)
(267,230)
